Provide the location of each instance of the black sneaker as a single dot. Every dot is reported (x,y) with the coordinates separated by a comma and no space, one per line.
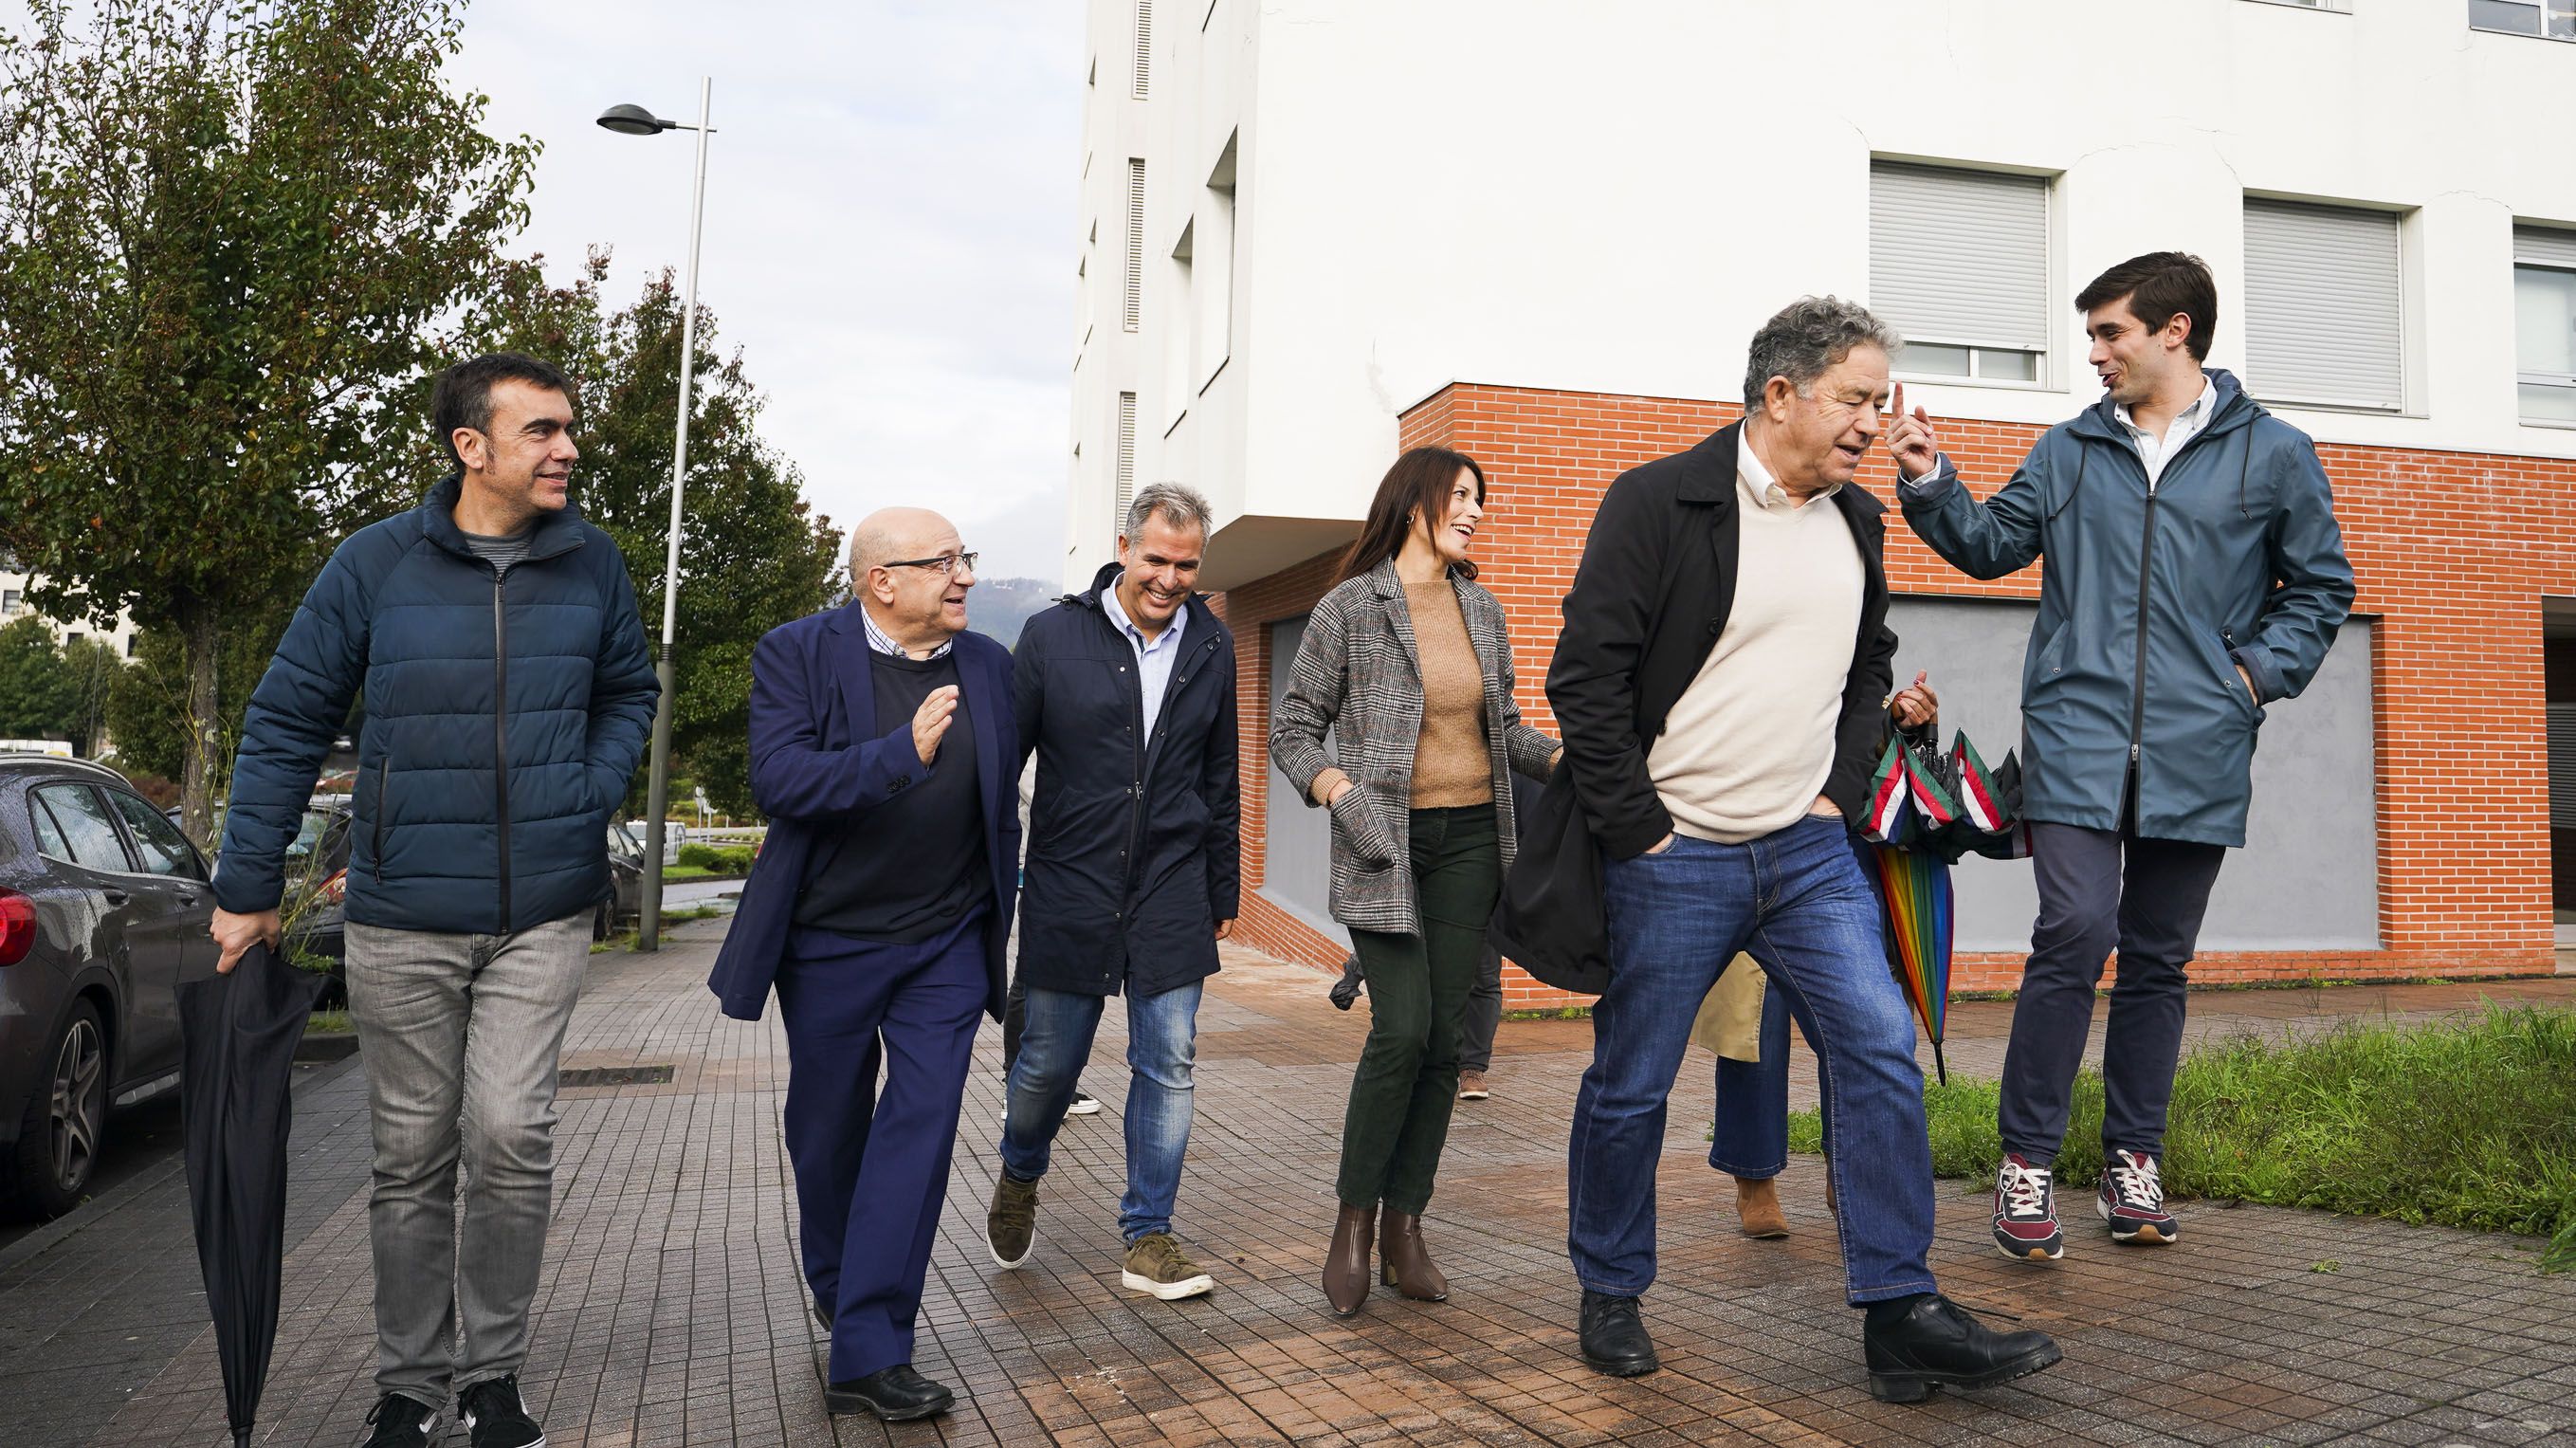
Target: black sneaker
(494,1418)
(1082,1104)
(400,1422)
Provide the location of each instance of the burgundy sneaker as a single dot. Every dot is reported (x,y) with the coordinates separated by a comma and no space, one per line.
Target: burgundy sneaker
(2133,1201)
(2026,1213)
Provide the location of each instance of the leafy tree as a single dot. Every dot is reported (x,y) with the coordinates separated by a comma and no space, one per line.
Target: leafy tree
(753,555)
(39,697)
(147,703)
(230,232)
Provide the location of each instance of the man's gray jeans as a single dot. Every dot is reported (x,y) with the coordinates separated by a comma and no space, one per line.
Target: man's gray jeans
(460,1035)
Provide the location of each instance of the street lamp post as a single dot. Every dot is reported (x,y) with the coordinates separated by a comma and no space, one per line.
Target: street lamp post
(637,121)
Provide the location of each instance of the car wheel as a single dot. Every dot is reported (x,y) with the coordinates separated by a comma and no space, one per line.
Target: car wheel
(58,1142)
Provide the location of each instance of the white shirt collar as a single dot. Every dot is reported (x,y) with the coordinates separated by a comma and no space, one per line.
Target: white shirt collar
(1756,482)
(2189,419)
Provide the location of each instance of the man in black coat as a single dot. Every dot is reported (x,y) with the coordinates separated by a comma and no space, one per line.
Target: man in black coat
(1126,695)
(1720,683)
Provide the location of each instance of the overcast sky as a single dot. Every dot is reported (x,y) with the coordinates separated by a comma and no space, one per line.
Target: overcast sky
(889,233)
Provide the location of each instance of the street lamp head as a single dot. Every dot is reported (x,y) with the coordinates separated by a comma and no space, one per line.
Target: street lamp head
(633,121)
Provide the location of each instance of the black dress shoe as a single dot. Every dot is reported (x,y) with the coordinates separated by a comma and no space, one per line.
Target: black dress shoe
(1938,1345)
(895,1395)
(1614,1337)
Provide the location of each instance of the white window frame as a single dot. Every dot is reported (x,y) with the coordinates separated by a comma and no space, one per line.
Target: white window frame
(2042,355)
(2522,379)
(2556,20)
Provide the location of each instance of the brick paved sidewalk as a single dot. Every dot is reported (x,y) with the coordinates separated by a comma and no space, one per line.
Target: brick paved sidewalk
(672,1311)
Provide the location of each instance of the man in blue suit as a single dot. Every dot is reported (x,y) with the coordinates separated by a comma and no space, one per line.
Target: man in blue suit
(880,909)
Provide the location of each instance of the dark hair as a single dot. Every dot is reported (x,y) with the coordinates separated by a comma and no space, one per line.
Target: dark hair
(2157,286)
(463,394)
(1420,479)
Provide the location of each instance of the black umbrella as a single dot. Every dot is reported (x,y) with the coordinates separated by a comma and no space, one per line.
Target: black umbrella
(237,1036)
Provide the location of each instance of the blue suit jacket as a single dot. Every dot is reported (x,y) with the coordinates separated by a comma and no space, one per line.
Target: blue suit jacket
(821,761)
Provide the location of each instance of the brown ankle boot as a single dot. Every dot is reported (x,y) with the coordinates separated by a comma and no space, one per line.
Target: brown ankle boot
(1346,1262)
(1757,1206)
(1404,1262)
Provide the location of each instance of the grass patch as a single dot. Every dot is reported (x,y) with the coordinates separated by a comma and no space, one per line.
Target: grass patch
(674,873)
(328,1023)
(1557,1013)
(2469,1122)
(669,917)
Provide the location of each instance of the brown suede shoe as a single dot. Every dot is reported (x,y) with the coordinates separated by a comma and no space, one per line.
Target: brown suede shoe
(1757,1206)
(1471,1086)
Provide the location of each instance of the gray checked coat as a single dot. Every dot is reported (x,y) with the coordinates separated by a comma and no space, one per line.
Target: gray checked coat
(1358,674)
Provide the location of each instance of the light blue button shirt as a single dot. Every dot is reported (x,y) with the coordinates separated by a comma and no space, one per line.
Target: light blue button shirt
(1154,657)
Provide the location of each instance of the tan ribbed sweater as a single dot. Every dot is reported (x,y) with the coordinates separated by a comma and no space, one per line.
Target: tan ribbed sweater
(1747,747)
(1451,766)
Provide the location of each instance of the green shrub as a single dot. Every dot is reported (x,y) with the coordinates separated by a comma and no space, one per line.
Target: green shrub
(720,859)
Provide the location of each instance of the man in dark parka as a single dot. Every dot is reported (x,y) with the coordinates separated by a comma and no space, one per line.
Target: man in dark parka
(1126,695)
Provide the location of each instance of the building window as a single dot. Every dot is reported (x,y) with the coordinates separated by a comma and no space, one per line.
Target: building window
(1212,268)
(1958,263)
(1126,493)
(1133,304)
(1180,311)
(1144,45)
(133,642)
(2324,316)
(8,602)
(2544,307)
(2549,19)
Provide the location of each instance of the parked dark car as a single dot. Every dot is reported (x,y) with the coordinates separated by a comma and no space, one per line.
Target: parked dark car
(103,912)
(626,882)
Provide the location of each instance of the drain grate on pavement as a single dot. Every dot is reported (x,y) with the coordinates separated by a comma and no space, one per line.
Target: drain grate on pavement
(612,1076)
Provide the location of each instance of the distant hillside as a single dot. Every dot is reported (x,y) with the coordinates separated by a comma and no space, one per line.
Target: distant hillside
(998,606)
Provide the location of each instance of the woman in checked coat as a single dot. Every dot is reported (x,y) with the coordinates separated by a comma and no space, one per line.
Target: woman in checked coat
(1406,661)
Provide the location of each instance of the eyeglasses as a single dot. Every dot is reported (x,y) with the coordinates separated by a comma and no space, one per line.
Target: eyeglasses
(947,563)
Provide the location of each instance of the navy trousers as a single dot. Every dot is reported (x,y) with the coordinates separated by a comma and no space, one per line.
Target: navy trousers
(872,1164)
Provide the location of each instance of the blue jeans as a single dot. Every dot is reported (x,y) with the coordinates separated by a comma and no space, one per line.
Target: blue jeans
(1162,1045)
(1796,902)
(1750,1138)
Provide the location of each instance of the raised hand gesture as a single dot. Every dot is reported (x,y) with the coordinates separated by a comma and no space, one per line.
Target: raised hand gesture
(1916,448)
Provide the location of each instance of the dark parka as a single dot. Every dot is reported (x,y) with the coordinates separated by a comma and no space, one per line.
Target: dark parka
(1134,840)
(2153,596)
(1650,598)
(505,713)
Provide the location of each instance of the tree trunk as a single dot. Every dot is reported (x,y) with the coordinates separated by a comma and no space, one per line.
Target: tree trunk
(199,710)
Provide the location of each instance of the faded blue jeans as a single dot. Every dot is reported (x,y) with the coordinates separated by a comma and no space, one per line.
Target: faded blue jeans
(1162,1046)
(1796,902)
(1749,1136)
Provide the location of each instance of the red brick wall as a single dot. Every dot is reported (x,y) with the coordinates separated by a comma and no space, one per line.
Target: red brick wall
(2453,552)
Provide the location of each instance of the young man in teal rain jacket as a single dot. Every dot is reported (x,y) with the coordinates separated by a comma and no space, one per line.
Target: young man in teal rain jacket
(2195,574)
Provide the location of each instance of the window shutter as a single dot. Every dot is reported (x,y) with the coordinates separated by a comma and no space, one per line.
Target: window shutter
(1133,305)
(2562,765)
(2323,309)
(1144,45)
(1126,460)
(2546,246)
(1959,257)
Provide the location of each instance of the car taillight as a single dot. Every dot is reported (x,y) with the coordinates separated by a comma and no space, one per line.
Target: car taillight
(17,927)
(335,887)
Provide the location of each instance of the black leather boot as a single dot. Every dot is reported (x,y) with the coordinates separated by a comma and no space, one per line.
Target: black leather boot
(1614,1336)
(1936,1344)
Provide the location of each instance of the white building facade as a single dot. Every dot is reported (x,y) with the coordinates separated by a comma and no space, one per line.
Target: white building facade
(1314,230)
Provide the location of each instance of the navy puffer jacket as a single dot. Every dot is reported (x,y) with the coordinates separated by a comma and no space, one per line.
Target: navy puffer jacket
(505,714)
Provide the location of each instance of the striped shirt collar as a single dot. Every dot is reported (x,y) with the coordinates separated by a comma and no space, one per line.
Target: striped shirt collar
(883,642)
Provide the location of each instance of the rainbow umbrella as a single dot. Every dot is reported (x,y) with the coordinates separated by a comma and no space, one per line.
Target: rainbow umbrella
(1920,913)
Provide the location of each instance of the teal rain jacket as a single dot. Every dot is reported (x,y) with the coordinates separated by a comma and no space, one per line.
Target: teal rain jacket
(2152,596)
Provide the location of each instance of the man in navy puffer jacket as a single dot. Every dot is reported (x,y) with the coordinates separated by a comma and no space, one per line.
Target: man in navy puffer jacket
(509,691)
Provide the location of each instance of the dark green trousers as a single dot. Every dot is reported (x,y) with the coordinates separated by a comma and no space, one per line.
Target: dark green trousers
(1418,985)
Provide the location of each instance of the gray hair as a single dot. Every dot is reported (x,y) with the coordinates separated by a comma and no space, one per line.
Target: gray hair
(1807,337)
(1181,507)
